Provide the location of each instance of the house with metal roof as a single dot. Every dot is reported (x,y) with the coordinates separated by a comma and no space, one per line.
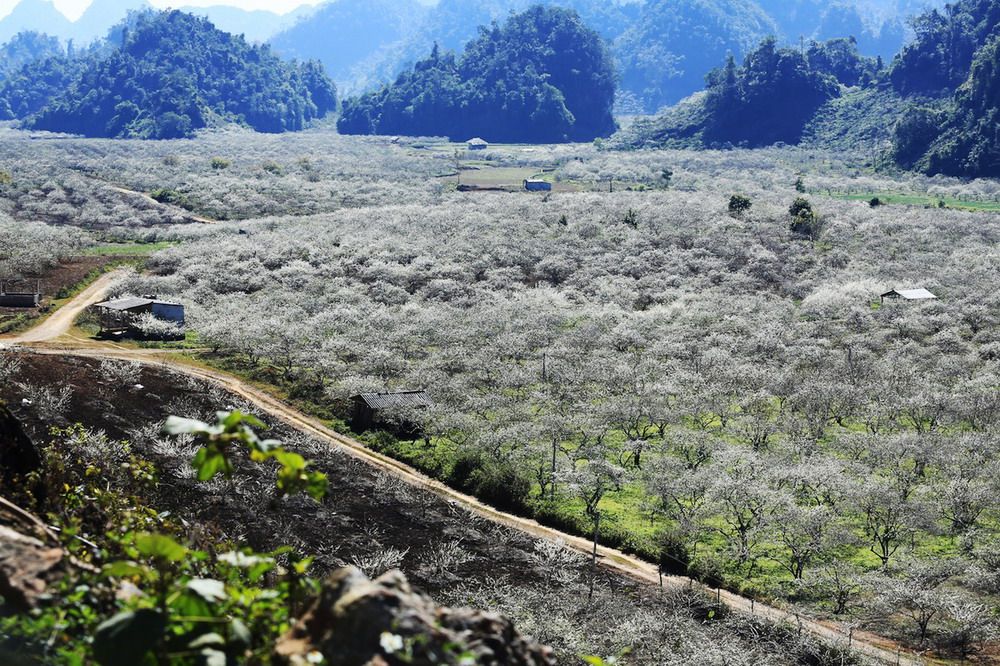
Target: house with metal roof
(391,410)
(120,315)
(20,293)
(537,185)
(477,144)
(907,295)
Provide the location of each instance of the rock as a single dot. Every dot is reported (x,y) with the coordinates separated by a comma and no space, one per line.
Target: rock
(26,567)
(18,456)
(356,622)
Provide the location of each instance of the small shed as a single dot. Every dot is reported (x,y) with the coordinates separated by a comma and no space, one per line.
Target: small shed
(477,144)
(537,185)
(118,316)
(378,409)
(907,295)
(20,293)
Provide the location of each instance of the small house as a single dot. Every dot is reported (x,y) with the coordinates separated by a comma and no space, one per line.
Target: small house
(907,295)
(537,185)
(477,144)
(120,316)
(389,410)
(20,293)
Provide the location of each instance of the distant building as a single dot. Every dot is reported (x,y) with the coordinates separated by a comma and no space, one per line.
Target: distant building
(20,293)
(908,295)
(537,185)
(477,144)
(383,409)
(119,316)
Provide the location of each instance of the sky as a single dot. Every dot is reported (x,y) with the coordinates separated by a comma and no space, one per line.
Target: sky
(74,8)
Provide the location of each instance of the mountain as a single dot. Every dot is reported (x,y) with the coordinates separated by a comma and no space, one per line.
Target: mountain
(952,70)
(254,25)
(344,33)
(771,98)
(174,74)
(662,48)
(541,77)
(34,15)
(24,48)
(663,57)
(98,18)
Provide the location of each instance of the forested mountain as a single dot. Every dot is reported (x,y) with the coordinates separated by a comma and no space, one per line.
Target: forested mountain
(101,15)
(541,77)
(662,48)
(24,48)
(173,73)
(955,57)
(34,15)
(663,57)
(769,99)
(344,33)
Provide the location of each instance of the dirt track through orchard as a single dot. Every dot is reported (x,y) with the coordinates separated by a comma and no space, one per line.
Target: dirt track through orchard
(52,337)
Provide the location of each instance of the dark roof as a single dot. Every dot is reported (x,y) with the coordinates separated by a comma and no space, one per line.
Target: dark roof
(131,303)
(398,400)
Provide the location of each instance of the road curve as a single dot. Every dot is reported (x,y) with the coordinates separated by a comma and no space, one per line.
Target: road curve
(869,645)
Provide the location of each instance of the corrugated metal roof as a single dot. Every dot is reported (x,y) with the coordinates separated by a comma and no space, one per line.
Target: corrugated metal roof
(910,294)
(400,400)
(478,142)
(124,304)
(132,303)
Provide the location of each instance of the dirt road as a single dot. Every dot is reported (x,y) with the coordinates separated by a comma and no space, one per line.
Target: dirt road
(53,333)
(62,320)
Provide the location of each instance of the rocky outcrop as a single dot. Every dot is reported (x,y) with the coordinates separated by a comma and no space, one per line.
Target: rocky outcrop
(18,456)
(27,566)
(356,622)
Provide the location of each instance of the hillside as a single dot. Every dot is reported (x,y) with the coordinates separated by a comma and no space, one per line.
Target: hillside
(174,74)
(953,58)
(772,97)
(542,77)
(662,48)
(34,15)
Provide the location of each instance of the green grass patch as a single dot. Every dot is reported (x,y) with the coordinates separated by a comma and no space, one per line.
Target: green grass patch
(922,200)
(127,249)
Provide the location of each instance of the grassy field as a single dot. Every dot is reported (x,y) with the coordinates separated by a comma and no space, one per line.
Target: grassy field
(922,200)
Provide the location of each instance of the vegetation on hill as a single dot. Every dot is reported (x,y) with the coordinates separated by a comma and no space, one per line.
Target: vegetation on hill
(771,98)
(541,77)
(663,57)
(171,75)
(24,48)
(955,55)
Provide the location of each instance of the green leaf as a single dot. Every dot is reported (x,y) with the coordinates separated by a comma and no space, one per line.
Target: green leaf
(123,569)
(210,461)
(126,638)
(210,590)
(160,546)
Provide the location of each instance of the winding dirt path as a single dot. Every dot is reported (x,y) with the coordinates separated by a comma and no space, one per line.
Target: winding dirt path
(52,337)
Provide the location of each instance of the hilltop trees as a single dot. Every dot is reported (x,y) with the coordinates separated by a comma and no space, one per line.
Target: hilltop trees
(541,77)
(172,74)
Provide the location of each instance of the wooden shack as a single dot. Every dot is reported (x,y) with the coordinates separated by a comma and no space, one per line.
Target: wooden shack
(119,316)
(389,411)
(907,295)
(537,185)
(20,293)
(477,144)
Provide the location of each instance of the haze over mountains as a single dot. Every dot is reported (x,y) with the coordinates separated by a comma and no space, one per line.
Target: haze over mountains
(101,15)
(662,48)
